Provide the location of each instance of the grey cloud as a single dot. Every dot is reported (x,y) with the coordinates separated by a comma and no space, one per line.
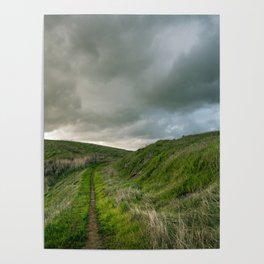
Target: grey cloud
(62,105)
(123,79)
(193,79)
(149,129)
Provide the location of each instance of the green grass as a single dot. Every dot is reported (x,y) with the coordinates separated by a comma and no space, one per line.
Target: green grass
(165,195)
(62,195)
(68,228)
(64,157)
(119,229)
(169,189)
(68,167)
(62,149)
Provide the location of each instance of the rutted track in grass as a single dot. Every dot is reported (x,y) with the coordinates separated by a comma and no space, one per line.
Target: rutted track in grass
(94,240)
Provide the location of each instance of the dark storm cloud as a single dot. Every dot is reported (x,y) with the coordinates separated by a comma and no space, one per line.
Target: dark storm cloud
(193,78)
(124,79)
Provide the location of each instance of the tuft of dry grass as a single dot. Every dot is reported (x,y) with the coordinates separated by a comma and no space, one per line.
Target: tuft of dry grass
(181,225)
(126,195)
(61,196)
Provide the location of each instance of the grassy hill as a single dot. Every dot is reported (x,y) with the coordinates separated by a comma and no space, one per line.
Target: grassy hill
(69,149)
(165,195)
(67,170)
(62,157)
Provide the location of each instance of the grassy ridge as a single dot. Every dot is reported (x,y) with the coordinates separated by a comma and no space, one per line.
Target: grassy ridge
(68,228)
(170,189)
(64,157)
(62,149)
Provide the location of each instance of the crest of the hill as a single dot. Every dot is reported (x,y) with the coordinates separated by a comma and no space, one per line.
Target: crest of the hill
(64,157)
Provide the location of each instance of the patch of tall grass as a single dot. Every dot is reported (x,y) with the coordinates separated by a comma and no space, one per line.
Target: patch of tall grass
(119,229)
(61,195)
(166,194)
(57,169)
(68,229)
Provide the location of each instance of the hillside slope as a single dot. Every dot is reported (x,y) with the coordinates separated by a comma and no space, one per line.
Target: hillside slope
(71,149)
(163,196)
(62,157)
(68,167)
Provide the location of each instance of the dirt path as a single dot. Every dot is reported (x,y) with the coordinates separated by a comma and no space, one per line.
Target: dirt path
(94,241)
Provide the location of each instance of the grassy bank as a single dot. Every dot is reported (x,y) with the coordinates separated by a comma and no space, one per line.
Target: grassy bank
(66,211)
(62,149)
(163,196)
(68,167)
(64,157)
(118,228)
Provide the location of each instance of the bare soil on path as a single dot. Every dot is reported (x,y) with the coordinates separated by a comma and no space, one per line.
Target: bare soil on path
(94,240)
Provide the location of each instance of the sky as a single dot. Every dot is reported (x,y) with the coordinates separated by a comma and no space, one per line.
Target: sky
(129,80)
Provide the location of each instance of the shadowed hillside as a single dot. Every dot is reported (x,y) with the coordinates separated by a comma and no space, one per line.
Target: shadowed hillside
(62,157)
(69,149)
